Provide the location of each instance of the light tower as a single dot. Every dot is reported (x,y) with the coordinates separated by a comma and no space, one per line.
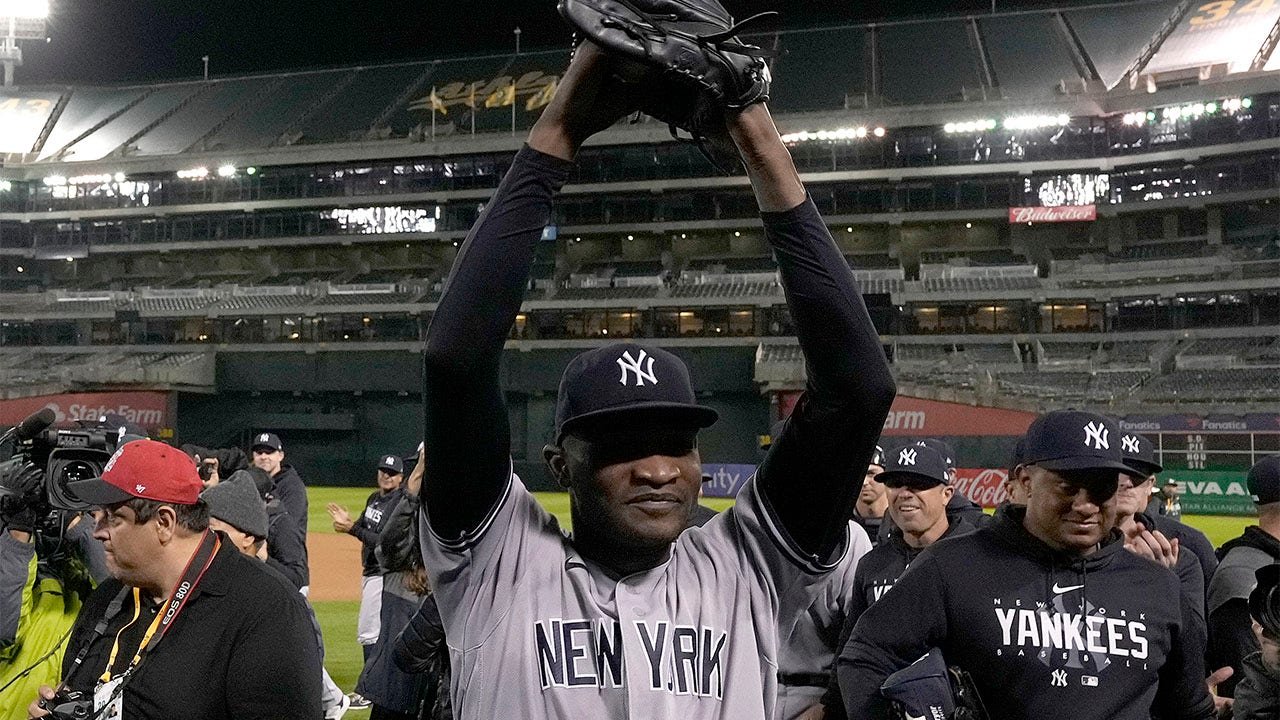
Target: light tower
(19,20)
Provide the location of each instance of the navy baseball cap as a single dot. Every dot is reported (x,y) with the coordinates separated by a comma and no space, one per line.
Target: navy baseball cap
(627,379)
(1264,480)
(914,465)
(270,441)
(1140,454)
(1074,440)
(942,448)
(392,464)
(877,457)
(1019,455)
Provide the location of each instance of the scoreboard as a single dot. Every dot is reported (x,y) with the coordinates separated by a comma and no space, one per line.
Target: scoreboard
(1236,451)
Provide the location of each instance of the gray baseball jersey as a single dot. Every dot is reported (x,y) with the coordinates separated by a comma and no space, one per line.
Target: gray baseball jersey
(537,631)
(811,649)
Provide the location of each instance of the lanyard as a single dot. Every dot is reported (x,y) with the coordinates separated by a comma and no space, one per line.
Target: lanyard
(168,613)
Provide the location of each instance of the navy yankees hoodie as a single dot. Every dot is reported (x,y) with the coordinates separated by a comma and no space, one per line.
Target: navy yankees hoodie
(1043,633)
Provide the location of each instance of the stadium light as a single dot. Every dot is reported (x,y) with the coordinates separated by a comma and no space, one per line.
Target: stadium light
(1034,122)
(226,171)
(54,180)
(199,173)
(970,126)
(25,9)
(5,186)
(838,134)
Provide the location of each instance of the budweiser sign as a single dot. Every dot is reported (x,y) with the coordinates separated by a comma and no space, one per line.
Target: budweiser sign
(1065,213)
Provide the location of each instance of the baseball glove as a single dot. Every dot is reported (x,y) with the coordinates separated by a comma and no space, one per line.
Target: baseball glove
(681,59)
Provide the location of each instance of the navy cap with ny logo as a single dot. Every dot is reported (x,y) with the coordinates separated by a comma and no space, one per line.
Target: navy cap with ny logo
(1075,440)
(626,379)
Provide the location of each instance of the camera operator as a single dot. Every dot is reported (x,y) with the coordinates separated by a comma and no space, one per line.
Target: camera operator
(1258,692)
(187,627)
(49,563)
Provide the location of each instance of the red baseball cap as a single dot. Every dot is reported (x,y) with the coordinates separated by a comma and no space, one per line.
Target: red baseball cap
(146,469)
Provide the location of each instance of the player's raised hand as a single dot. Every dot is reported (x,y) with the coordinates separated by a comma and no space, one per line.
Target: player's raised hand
(586,102)
(342,521)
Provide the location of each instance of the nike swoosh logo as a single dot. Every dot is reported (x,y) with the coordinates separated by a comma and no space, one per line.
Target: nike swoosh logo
(1059,590)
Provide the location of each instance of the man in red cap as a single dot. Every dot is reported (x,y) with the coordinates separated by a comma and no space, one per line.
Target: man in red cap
(187,626)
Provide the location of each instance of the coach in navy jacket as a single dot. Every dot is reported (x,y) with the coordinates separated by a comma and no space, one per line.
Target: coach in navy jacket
(1044,607)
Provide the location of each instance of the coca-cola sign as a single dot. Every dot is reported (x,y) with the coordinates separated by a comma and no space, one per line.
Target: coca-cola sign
(1065,213)
(983,486)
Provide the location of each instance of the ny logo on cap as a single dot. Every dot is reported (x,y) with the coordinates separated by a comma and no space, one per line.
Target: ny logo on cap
(389,461)
(907,457)
(1130,443)
(633,365)
(139,489)
(264,438)
(1095,434)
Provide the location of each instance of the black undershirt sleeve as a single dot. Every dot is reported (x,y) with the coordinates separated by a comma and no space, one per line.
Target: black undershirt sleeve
(814,470)
(467,436)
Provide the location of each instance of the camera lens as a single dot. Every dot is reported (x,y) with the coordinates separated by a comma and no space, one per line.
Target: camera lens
(76,470)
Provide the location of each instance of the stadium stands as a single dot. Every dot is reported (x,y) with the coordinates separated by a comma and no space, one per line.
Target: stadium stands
(319,207)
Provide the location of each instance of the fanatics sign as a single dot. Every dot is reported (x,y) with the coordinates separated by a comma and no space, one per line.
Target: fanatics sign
(1066,213)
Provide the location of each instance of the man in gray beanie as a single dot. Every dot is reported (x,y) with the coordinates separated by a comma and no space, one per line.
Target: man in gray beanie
(286,545)
(236,510)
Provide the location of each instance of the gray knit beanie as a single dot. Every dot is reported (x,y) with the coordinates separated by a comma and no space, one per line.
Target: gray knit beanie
(236,503)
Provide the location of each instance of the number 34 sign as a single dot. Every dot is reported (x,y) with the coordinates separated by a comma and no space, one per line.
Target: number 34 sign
(1211,13)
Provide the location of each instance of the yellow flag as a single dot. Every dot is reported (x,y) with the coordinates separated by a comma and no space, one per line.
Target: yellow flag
(502,97)
(437,105)
(542,98)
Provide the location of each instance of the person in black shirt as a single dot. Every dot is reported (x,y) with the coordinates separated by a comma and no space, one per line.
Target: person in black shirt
(235,640)
(918,492)
(287,485)
(367,529)
(1044,607)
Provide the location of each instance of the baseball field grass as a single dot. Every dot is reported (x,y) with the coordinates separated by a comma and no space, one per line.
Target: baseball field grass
(343,657)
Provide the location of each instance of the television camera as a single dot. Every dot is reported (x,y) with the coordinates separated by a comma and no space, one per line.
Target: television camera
(35,479)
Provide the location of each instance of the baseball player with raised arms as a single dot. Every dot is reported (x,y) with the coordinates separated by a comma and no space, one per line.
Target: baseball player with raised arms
(633,616)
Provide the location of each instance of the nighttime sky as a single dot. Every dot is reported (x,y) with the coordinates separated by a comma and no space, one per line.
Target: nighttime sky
(110,41)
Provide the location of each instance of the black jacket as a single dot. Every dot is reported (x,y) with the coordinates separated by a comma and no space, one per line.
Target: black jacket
(289,489)
(879,569)
(244,647)
(1230,627)
(1190,575)
(398,548)
(1193,540)
(286,545)
(421,648)
(1043,633)
(1257,693)
(369,526)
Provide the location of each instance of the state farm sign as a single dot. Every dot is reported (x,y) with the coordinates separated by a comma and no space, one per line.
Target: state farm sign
(983,486)
(1065,213)
(145,408)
